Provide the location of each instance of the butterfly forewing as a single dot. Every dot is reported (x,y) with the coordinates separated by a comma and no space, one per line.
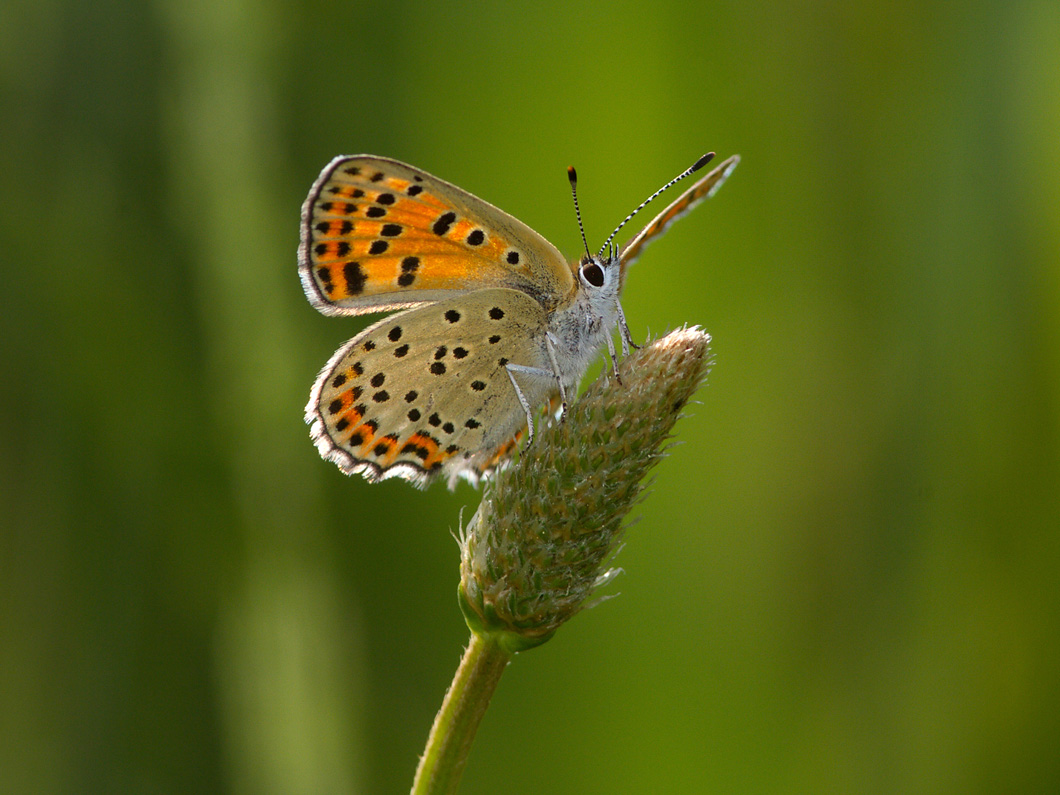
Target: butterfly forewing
(426,391)
(378,234)
(703,188)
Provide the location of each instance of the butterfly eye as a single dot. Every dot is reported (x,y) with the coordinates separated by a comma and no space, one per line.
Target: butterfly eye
(593,274)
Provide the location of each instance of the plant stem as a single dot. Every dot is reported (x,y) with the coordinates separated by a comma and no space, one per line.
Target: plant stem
(457,721)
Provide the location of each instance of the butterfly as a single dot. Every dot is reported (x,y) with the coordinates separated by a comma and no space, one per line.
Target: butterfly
(496,322)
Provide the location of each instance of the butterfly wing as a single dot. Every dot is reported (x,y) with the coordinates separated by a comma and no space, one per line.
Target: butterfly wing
(703,189)
(425,392)
(378,234)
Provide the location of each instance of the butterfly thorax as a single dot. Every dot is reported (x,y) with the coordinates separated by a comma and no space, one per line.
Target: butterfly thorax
(580,327)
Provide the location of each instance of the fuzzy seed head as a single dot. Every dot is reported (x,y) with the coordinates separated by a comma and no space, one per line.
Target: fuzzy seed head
(540,543)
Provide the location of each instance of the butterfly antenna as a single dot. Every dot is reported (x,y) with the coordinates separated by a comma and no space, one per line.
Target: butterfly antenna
(691,170)
(572,175)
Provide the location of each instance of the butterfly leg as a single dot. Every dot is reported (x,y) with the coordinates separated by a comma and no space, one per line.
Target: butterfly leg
(627,338)
(511,369)
(550,346)
(614,358)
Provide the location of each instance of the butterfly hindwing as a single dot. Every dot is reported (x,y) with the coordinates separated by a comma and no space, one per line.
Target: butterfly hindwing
(426,391)
(379,234)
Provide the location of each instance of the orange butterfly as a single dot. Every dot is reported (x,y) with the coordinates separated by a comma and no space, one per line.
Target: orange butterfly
(496,322)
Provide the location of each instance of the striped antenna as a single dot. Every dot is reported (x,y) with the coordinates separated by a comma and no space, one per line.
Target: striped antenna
(572,175)
(691,170)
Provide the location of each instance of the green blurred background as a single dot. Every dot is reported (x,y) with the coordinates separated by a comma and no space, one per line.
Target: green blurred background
(847,578)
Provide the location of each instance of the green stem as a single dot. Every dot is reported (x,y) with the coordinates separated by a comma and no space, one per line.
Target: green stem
(457,721)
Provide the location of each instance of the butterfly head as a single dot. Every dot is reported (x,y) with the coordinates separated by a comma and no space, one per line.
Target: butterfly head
(600,281)
(595,273)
